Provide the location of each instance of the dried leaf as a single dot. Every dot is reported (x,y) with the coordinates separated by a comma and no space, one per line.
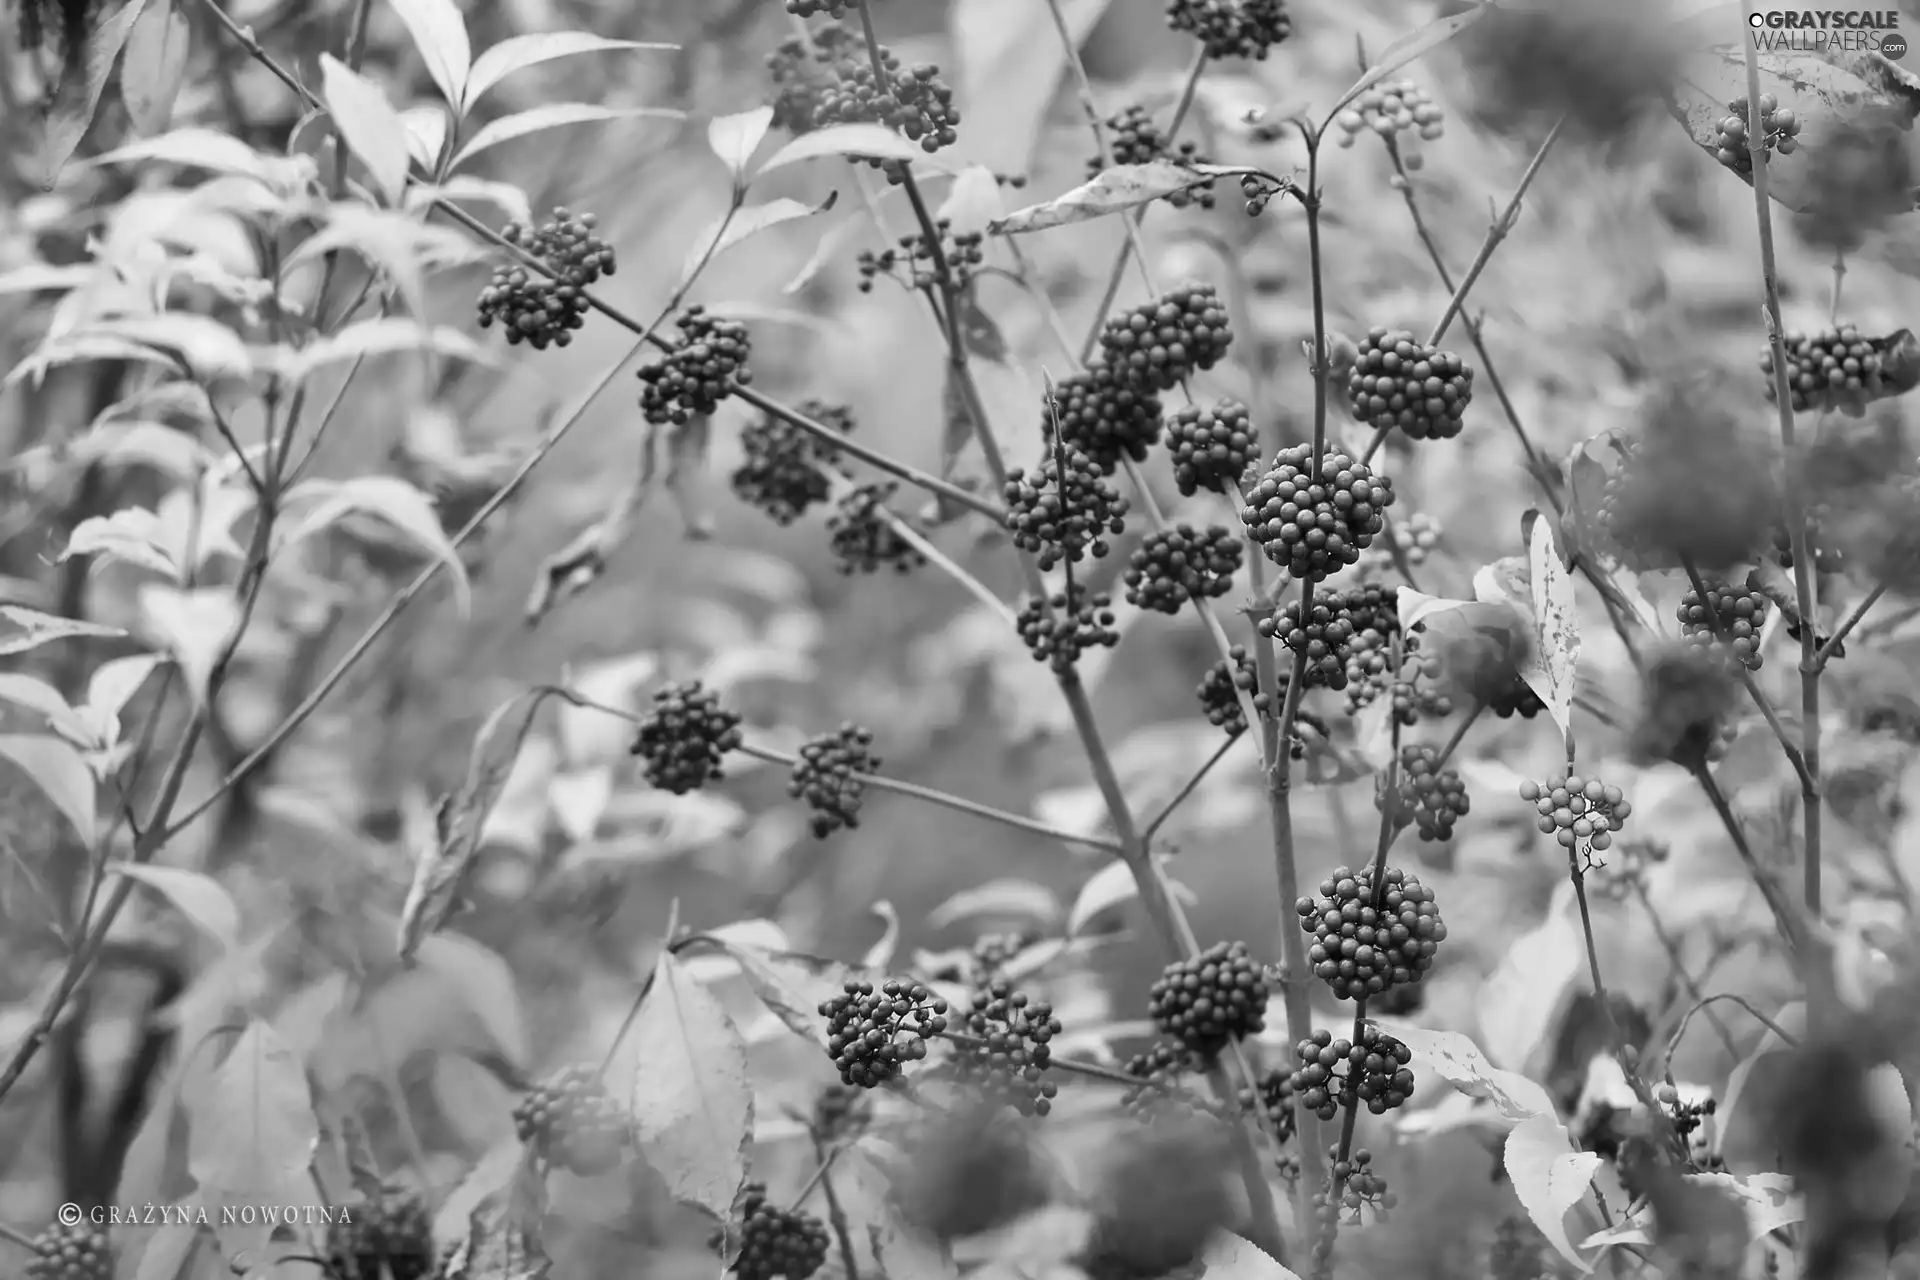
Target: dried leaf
(1123,187)
(1552,662)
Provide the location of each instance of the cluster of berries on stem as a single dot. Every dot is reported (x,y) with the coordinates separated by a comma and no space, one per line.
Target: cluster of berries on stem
(1411,684)
(1064,508)
(1329,631)
(1391,109)
(777,1244)
(1726,623)
(705,364)
(1427,794)
(71,1251)
(1211,1000)
(1827,555)
(1162,1094)
(544,311)
(1010,1060)
(1515,697)
(831,776)
(1271,1097)
(1832,368)
(830,78)
(1232,28)
(1133,138)
(389,1234)
(1627,870)
(1363,943)
(1160,344)
(1181,563)
(862,535)
(1103,416)
(840,1111)
(1578,812)
(1059,629)
(915,265)
(1374,1072)
(1779,128)
(1419,536)
(784,468)
(572,1121)
(873,1034)
(685,737)
(1314,517)
(1236,674)
(1212,446)
(1399,381)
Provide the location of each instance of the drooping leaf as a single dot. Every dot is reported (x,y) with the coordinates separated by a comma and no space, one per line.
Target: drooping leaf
(880,954)
(791,985)
(743,224)
(1458,1061)
(383,335)
(692,1099)
(367,120)
(1553,660)
(251,1131)
(1416,607)
(1549,1176)
(1520,1002)
(973,203)
(60,771)
(389,499)
(553,115)
(1410,48)
(998,898)
(32,628)
(193,148)
(79,98)
(440,33)
(1111,886)
(517,53)
(736,137)
(1229,1257)
(198,896)
(863,140)
(1010,62)
(193,627)
(828,250)
(153,66)
(1122,187)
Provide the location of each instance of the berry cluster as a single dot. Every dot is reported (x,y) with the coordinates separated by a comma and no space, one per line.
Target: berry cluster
(1418,535)
(1272,1097)
(1400,381)
(1832,368)
(872,1035)
(833,82)
(1779,127)
(1212,446)
(777,1242)
(1162,1093)
(1064,508)
(1365,618)
(1218,695)
(1363,946)
(1361,1186)
(391,1235)
(914,264)
(783,470)
(1515,698)
(1693,1124)
(708,361)
(831,776)
(835,9)
(1576,810)
(1232,28)
(1009,1064)
(1627,871)
(685,736)
(1333,1073)
(840,1111)
(1727,622)
(1412,688)
(991,953)
(71,1251)
(1391,109)
(544,311)
(1133,138)
(572,1121)
(1103,416)
(1431,797)
(1314,520)
(862,536)
(1059,629)
(1211,1000)
(1162,343)
(1182,563)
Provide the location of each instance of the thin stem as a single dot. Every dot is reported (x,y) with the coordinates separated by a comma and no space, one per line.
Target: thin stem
(1752,686)
(947,565)
(1785,917)
(1852,620)
(19,1237)
(1459,733)
(1091,1070)
(1839,275)
(1676,962)
(1502,225)
(1705,1002)
(819,1175)
(837,1219)
(1191,784)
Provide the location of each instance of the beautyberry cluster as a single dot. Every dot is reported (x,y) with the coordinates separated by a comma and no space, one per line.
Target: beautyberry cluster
(544,311)
(1181,563)
(1576,810)
(1272,1098)
(1162,343)
(835,9)
(840,1111)
(1133,138)
(1726,623)
(685,737)
(1518,1251)
(1428,795)
(777,1243)
(783,470)
(1692,1121)
(1419,535)
(1515,698)
(1211,1000)
(1232,28)
(1329,631)
(831,776)
(914,265)
(1374,1072)
(706,363)
(1103,416)
(1063,508)
(1400,381)
(1361,949)
(76,1251)
(1059,629)
(1627,870)
(1362,1187)
(1313,517)
(572,1121)
(1162,1094)
(833,82)
(1779,127)
(1010,1063)
(388,1234)
(872,1035)
(1391,109)
(1212,446)
(1834,367)
(1412,687)
(862,536)
(1218,695)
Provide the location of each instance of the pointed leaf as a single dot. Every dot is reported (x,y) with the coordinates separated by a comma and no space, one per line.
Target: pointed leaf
(791,985)
(208,349)
(194,627)
(551,116)
(153,67)
(827,250)
(383,335)
(131,534)
(517,53)
(193,149)
(735,138)
(1123,187)
(995,899)
(1552,664)
(251,1130)
(863,140)
(1550,1176)
(743,224)
(392,500)
(1112,885)
(32,628)
(426,138)
(198,896)
(74,108)
(1458,1061)
(1410,48)
(440,33)
(38,696)
(372,128)
(61,773)
(504,196)
(166,449)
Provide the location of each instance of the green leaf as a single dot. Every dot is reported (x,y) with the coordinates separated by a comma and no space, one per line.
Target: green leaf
(790,984)
(399,244)
(38,696)
(426,138)
(383,335)
(742,224)
(197,896)
(692,1099)
(131,534)
(1111,886)
(208,349)
(1522,1001)
(481,980)
(1409,49)
(998,900)
(251,1131)
(1122,187)
(551,116)
(372,128)
(504,196)
(36,628)
(1229,1257)
(206,149)
(61,773)
(973,203)
(517,53)
(389,499)
(440,33)
(1553,661)
(1458,1061)
(1550,1177)
(73,110)
(154,66)
(866,141)
(735,138)
(109,689)
(194,627)
(172,452)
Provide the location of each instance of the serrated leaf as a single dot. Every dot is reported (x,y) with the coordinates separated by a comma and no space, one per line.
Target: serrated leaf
(552,116)
(60,771)
(517,53)
(998,898)
(35,628)
(1111,886)
(389,499)
(194,627)
(373,129)
(251,1130)
(1553,661)
(1410,48)
(197,896)
(973,203)
(1115,190)
(735,138)
(440,33)
(1549,1176)
(692,1098)
(742,224)
(153,66)
(1458,1061)
(866,141)
(790,984)
(73,110)
(426,138)
(383,335)
(1229,1257)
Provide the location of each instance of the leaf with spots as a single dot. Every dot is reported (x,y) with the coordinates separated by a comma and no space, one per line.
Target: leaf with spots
(1550,667)
(1115,190)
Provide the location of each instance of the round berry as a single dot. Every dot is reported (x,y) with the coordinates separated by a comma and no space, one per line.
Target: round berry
(1104,417)
(1232,28)
(915,265)
(1391,109)
(1211,1000)
(706,363)
(1182,563)
(831,776)
(1363,944)
(71,1251)
(1578,812)
(1160,344)
(784,470)
(391,1234)
(1063,509)
(1400,382)
(1335,1074)
(1779,130)
(1834,368)
(1212,447)
(1008,1064)
(572,1121)
(1727,622)
(1065,625)
(862,535)
(1427,795)
(685,736)
(1314,520)
(828,78)
(873,1033)
(540,310)
(777,1244)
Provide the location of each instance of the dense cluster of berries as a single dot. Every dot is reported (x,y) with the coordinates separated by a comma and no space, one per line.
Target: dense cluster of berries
(685,737)
(1059,629)
(1627,870)
(872,1035)
(831,776)
(1010,1063)
(540,310)
(1419,536)
(861,532)
(1693,1124)
(783,467)
(1329,632)
(1211,1000)
(1515,697)
(1181,563)
(1103,416)
(777,1244)
(1412,688)
(1064,508)
(1374,1072)
(829,79)
(1162,343)
(1726,623)
(1361,949)
(1578,811)
(1825,370)
(840,1111)
(913,262)
(1219,699)
(1779,128)
(1428,795)
(1271,1097)
(1133,138)
(835,9)
(1312,518)
(1212,446)
(1400,381)
(1391,109)
(572,1121)
(391,1235)
(71,1251)
(702,369)
(1162,1093)
(1232,28)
